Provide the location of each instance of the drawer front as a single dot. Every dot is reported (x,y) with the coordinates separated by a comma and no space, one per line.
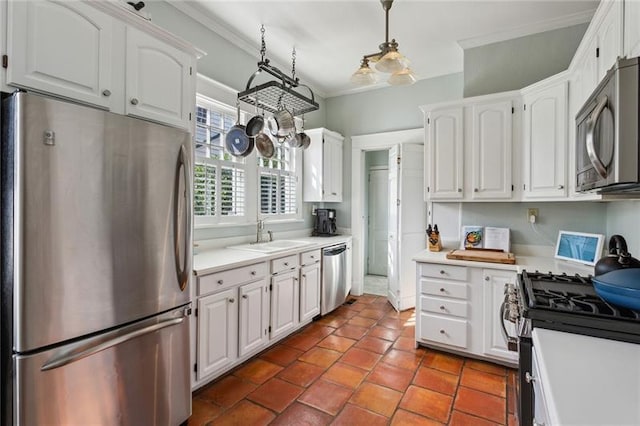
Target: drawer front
(450,331)
(232,277)
(444,306)
(310,257)
(444,288)
(284,264)
(445,272)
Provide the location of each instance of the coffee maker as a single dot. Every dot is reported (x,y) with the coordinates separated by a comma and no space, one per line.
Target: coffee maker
(325,223)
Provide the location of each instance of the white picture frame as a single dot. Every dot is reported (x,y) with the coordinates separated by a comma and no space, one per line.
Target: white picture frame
(580,247)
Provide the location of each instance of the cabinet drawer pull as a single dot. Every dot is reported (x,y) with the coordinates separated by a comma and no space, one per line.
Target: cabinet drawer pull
(253,273)
(106,92)
(244,296)
(286,263)
(312,256)
(443,308)
(442,290)
(134,101)
(220,282)
(442,332)
(232,300)
(442,272)
(334,193)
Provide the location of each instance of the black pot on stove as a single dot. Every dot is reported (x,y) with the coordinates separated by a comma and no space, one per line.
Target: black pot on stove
(617,258)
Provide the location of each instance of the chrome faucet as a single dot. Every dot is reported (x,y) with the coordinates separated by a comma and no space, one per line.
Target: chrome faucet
(260,228)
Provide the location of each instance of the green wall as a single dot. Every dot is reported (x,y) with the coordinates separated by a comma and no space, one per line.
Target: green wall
(517,63)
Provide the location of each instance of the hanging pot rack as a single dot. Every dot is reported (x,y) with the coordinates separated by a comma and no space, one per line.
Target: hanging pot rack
(275,94)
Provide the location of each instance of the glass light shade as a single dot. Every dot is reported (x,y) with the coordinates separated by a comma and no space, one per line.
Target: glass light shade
(364,76)
(403,77)
(392,62)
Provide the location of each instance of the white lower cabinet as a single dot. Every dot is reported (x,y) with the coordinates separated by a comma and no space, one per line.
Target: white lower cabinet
(217,332)
(309,291)
(494,342)
(284,303)
(458,309)
(254,316)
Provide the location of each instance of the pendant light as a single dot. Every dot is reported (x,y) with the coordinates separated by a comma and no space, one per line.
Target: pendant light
(387,60)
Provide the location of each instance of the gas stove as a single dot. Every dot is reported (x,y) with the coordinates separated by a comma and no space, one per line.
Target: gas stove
(569,303)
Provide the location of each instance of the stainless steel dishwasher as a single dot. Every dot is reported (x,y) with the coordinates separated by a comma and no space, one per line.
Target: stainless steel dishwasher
(335,287)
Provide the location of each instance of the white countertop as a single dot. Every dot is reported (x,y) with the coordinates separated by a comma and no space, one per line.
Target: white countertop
(530,263)
(213,260)
(587,380)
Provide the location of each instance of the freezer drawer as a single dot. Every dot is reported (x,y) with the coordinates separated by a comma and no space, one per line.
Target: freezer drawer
(135,375)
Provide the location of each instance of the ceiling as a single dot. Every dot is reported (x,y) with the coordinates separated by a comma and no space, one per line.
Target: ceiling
(331,37)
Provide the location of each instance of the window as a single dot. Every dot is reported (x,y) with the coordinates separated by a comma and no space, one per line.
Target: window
(220,179)
(279,183)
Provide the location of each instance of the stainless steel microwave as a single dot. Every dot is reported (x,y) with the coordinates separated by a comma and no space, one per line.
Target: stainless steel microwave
(607,153)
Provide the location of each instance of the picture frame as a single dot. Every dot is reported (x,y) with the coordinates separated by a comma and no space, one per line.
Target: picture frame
(580,247)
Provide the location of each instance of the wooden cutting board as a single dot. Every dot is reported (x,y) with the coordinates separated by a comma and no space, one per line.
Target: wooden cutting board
(483,256)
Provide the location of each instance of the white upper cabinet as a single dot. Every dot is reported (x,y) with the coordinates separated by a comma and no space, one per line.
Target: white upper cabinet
(75,63)
(323,166)
(105,56)
(491,150)
(632,28)
(609,39)
(158,80)
(444,157)
(545,140)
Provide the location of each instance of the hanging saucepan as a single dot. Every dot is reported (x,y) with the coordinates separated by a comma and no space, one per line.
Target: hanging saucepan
(281,123)
(302,139)
(256,123)
(237,142)
(265,144)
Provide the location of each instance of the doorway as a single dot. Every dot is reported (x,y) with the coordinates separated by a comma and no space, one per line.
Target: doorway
(375,281)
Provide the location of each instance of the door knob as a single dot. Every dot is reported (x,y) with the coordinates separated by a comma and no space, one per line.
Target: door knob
(134,101)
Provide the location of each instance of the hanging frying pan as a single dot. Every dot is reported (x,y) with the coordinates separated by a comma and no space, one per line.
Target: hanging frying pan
(256,123)
(265,144)
(237,142)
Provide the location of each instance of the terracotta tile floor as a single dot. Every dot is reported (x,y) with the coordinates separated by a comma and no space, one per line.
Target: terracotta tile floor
(358,366)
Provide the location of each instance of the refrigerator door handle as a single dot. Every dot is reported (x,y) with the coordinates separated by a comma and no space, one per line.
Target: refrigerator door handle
(182,271)
(84,349)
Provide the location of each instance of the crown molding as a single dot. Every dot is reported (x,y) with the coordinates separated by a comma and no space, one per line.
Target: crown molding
(529,29)
(232,37)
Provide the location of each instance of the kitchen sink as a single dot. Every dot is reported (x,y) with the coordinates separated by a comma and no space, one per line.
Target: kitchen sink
(271,246)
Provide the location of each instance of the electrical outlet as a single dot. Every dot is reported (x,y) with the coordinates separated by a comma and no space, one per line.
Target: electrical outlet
(532,212)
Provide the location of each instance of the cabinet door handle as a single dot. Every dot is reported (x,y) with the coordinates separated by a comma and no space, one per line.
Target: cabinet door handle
(560,186)
(442,290)
(459,189)
(295,279)
(286,263)
(134,101)
(244,296)
(475,190)
(253,273)
(220,282)
(334,193)
(304,276)
(442,332)
(312,256)
(106,92)
(232,300)
(487,278)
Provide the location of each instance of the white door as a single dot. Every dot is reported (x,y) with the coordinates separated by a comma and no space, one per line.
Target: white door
(492,140)
(493,339)
(378,217)
(444,155)
(284,303)
(393,261)
(63,48)
(158,80)
(309,291)
(217,332)
(545,142)
(254,316)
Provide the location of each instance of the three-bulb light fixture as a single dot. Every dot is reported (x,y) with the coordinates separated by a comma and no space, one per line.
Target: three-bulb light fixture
(387,60)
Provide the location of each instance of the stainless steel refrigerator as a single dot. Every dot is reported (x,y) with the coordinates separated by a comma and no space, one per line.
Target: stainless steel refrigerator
(96,261)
